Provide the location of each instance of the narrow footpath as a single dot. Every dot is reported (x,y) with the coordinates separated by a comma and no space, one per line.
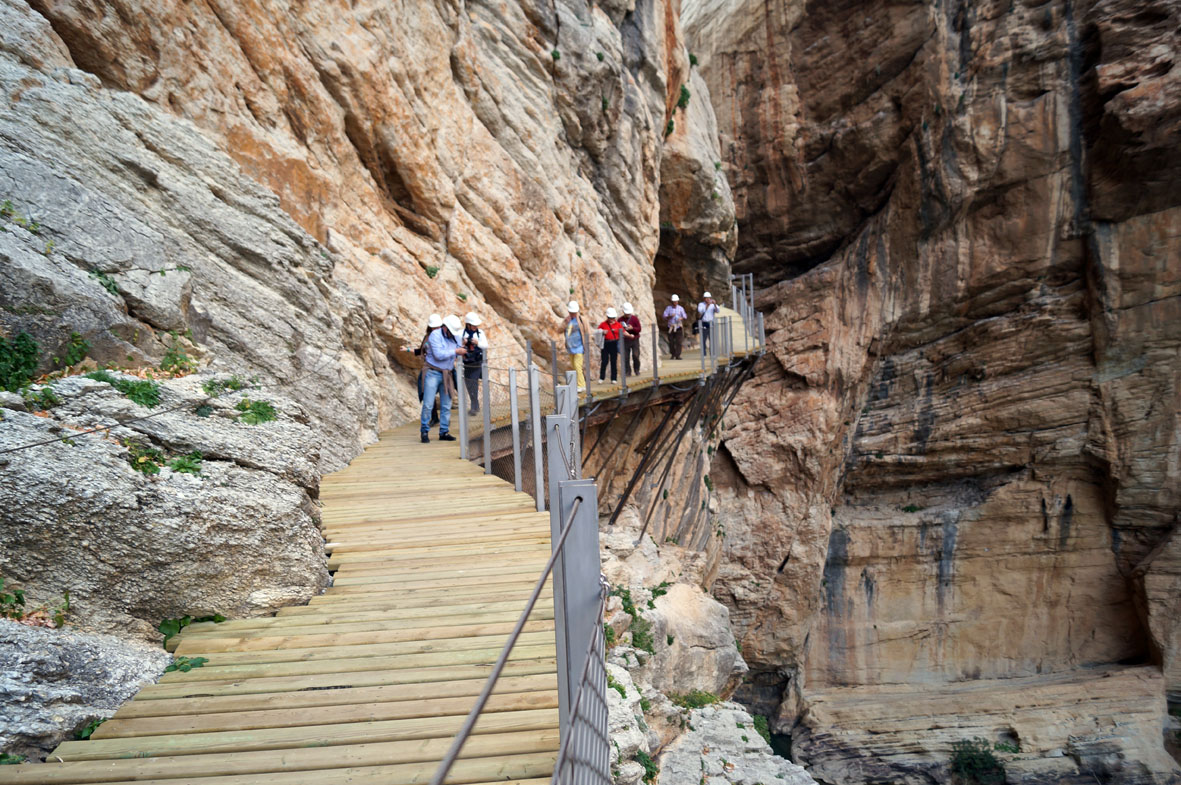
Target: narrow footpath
(368,683)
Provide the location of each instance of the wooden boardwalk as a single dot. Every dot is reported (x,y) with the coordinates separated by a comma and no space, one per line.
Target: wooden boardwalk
(369,682)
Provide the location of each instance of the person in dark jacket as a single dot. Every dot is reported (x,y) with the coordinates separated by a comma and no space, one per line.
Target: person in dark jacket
(473,362)
(631,343)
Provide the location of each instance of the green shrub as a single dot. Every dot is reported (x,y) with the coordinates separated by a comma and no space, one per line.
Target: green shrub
(606,104)
(176,361)
(186,464)
(170,627)
(972,759)
(617,686)
(645,704)
(256,412)
(911,508)
(106,281)
(8,759)
(18,361)
(45,398)
(609,635)
(668,129)
(12,603)
(642,635)
(763,728)
(75,352)
(140,391)
(683,98)
(556,55)
(650,767)
(658,591)
(692,59)
(694,699)
(215,387)
(431,271)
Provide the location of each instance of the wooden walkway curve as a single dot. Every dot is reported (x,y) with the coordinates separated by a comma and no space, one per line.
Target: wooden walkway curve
(369,682)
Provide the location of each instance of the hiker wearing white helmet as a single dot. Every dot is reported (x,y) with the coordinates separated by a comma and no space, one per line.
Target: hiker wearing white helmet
(474,342)
(612,330)
(631,342)
(442,347)
(433,322)
(674,316)
(707,309)
(575,341)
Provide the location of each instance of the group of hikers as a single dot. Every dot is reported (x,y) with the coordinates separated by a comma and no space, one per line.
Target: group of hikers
(448,338)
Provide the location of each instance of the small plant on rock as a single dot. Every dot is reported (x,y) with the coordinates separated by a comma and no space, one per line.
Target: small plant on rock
(668,129)
(911,508)
(650,767)
(171,627)
(256,412)
(556,55)
(617,686)
(762,727)
(18,361)
(692,59)
(683,98)
(599,56)
(141,391)
(43,399)
(8,759)
(106,281)
(75,351)
(694,699)
(147,460)
(641,630)
(187,464)
(87,730)
(215,387)
(176,361)
(431,271)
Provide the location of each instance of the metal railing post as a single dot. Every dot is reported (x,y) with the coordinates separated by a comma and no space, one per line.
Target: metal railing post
(558,428)
(655,357)
(486,383)
(461,397)
(553,354)
(623,364)
(535,423)
(580,590)
(701,346)
(762,334)
(516,420)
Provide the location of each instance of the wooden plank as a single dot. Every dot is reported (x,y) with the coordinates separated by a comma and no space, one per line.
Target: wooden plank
(317,736)
(486,756)
(330,679)
(311,697)
(213,672)
(286,717)
(318,626)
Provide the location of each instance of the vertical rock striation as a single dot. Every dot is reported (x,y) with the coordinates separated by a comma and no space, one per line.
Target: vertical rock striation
(958,464)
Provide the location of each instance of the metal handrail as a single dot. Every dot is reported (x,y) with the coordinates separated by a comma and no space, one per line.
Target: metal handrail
(470,722)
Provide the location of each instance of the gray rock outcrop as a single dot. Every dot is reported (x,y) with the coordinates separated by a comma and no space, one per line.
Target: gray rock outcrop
(53,682)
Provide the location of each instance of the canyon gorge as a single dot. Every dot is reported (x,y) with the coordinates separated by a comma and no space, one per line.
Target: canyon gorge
(944,507)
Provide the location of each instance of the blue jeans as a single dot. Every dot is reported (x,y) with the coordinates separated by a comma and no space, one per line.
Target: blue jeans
(432,382)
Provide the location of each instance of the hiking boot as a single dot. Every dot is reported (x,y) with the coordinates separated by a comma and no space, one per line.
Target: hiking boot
(446,437)
(426,439)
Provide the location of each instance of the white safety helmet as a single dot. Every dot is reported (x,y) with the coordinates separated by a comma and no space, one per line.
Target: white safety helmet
(473,319)
(707,296)
(612,313)
(452,323)
(572,307)
(676,299)
(627,308)
(434,320)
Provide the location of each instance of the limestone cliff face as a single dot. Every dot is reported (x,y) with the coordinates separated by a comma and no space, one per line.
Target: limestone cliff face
(454,156)
(959,461)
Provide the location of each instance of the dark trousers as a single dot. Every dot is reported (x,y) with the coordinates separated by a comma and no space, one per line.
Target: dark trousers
(631,355)
(705,336)
(471,380)
(675,339)
(610,354)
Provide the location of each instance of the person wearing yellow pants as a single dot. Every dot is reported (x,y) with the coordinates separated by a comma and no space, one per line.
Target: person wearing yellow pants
(575,343)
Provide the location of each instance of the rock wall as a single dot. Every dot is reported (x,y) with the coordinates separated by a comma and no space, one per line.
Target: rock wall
(958,463)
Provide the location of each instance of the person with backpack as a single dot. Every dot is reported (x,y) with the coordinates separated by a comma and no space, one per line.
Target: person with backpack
(674,317)
(474,343)
(707,309)
(631,343)
(612,330)
(442,347)
(575,341)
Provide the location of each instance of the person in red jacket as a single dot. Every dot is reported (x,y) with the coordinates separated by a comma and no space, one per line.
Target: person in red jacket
(631,344)
(613,330)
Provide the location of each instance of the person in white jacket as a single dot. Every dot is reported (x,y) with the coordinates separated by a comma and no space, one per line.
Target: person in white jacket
(474,341)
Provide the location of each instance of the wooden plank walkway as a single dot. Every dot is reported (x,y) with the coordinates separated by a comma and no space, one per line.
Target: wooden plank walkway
(369,682)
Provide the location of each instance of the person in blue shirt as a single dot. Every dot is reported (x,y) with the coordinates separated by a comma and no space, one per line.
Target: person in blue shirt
(442,347)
